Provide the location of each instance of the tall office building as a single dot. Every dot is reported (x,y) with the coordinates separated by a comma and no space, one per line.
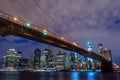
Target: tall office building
(11,59)
(31,62)
(67,61)
(89,46)
(43,62)
(49,57)
(24,64)
(73,56)
(74,61)
(60,60)
(37,55)
(100,48)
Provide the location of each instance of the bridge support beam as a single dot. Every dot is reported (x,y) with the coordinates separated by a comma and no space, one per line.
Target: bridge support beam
(106,66)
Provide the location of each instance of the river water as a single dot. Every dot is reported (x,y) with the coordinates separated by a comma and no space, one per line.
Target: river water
(58,76)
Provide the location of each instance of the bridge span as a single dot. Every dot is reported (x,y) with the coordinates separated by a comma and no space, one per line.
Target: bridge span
(10,25)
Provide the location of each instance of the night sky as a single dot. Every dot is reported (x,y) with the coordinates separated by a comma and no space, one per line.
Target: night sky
(97,21)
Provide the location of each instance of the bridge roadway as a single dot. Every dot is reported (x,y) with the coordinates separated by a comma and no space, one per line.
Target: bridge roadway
(10,25)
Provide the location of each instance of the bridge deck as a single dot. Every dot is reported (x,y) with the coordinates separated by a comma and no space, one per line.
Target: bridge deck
(10,27)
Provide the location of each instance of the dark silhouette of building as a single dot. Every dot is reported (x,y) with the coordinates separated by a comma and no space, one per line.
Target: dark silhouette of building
(37,56)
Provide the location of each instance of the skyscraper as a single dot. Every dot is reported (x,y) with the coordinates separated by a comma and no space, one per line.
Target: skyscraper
(89,46)
(49,56)
(37,55)
(100,48)
(60,60)
(11,59)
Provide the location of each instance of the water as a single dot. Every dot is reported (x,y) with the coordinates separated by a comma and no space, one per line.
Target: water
(58,76)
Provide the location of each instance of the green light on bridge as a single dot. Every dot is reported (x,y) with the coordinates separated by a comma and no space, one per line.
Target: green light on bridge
(45,32)
(28,24)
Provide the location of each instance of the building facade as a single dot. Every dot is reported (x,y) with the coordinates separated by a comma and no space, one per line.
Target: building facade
(11,59)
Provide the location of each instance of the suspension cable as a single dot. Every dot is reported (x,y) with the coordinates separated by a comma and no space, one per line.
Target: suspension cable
(53,20)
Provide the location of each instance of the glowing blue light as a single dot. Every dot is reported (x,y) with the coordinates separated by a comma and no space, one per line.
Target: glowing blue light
(90,59)
(91,75)
(105,48)
(75,75)
(75,55)
(89,46)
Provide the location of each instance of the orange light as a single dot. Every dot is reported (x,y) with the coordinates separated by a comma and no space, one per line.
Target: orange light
(15,18)
(74,44)
(44,30)
(62,38)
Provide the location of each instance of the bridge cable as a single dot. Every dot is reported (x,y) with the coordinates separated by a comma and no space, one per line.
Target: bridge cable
(1,4)
(32,14)
(51,18)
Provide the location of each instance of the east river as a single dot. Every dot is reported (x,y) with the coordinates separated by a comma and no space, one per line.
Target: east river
(58,76)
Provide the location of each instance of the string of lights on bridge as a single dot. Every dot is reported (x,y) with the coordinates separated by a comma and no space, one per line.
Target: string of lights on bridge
(29,25)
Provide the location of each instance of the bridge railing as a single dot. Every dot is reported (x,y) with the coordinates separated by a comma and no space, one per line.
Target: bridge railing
(23,23)
(11,18)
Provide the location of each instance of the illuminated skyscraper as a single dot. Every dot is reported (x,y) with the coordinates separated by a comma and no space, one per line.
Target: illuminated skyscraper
(89,61)
(89,46)
(31,62)
(60,60)
(100,48)
(49,57)
(11,59)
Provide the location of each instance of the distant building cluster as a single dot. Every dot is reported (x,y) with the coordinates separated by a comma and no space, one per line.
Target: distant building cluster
(13,60)
(46,60)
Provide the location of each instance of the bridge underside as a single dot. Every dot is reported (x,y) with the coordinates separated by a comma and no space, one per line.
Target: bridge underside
(106,67)
(10,28)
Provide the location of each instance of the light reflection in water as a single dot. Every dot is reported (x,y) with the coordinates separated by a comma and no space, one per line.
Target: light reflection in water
(51,76)
(61,76)
(91,75)
(75,76)
(58,76)
(11,75)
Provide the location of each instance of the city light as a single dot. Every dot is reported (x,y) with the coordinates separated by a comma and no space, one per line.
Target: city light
(89,46)
(75,54)
(15,19)
(62,38)
(74,44)
(44,32)
(28,24)
(12,49)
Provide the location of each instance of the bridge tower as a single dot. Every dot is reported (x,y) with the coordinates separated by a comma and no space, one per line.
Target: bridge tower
(106,66)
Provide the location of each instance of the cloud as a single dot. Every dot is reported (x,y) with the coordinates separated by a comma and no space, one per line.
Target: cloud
(83,20)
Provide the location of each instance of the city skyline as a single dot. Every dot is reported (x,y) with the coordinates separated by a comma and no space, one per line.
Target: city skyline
(14,61)
(94,21)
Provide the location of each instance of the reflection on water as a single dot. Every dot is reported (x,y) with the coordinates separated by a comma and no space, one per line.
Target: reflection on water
(10,76)
(75,76)
(91,76)
(58,76)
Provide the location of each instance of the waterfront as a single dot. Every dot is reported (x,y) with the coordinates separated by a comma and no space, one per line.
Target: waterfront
(14,75)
